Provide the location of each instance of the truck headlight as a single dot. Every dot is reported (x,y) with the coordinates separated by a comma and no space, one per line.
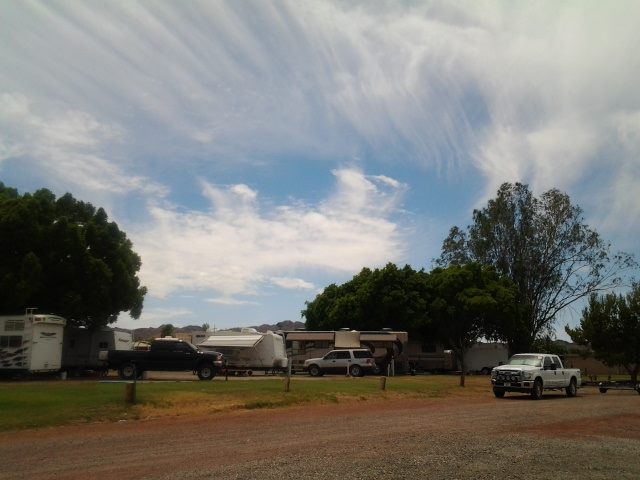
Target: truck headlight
(527,375)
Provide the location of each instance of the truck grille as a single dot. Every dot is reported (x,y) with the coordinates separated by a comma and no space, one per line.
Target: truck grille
(507,376)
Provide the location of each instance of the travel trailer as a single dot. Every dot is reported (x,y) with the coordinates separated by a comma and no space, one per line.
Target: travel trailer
(31,343)
(81,347)
(248,350)
(482,358)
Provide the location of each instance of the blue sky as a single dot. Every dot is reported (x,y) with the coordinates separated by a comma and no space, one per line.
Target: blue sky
(256,151)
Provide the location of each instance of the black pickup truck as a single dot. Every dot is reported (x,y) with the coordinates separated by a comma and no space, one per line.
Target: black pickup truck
(168,354)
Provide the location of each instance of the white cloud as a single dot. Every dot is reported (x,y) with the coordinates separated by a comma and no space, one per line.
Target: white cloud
(292,283)
(237,246)
(68,145)
(227,301)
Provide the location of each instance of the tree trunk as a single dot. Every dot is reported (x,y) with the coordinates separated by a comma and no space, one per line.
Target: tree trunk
(462,367)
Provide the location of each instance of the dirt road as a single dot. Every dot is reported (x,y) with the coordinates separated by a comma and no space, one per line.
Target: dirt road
(593,436)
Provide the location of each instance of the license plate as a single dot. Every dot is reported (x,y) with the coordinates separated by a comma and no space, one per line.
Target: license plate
(507,384)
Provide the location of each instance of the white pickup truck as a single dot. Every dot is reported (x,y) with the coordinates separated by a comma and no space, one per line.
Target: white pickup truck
(533,373)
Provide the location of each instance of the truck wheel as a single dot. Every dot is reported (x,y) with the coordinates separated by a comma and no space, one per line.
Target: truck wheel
(356,371)
(314,371)
(498,393)
(572,389)
(127,371)
(206,372)
(536,391)
(603,390)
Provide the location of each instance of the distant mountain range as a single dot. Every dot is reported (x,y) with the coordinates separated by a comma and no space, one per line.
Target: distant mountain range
(154,332)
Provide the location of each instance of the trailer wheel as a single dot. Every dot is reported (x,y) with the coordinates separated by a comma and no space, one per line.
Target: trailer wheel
(572,389)
(127,371)
(206,372)
(536,391)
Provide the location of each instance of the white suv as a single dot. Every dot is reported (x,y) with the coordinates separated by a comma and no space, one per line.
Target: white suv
(356,361)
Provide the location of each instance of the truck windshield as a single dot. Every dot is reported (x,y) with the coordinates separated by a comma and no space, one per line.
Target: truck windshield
(532,360)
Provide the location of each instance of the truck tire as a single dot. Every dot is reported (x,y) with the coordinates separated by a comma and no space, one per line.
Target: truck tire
(498,393)
(536,391)
(356,371)
(127,371)
(314,371)
(206,372)
(572,389)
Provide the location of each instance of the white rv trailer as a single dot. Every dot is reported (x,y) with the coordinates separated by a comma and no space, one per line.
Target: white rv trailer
(81,347)
(248,350)
(31,343)
(482,357)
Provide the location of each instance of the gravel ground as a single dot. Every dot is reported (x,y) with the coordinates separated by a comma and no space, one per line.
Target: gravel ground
(592,436)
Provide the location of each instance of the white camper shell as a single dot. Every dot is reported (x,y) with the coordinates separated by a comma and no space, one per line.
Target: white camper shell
(249,350)
(81,347)
(31,343)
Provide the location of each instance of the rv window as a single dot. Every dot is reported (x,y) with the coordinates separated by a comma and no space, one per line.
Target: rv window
(13,341)
(14,326)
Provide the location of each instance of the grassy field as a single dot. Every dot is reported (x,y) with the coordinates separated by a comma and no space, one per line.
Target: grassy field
(42,404)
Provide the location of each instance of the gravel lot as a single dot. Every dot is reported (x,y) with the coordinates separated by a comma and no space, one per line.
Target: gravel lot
(592,436)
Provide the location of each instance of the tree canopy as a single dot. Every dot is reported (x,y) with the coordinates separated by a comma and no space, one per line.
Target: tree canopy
(63,256)
(374,299)
(466,303)
(543,245)
(610,324)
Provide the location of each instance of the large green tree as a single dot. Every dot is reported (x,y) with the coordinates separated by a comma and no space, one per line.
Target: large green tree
(543,245)
(64,256)
(389,297)
(610,325)
(467,303)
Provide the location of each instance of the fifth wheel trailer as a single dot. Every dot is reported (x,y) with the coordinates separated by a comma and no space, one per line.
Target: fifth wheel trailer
(31,343)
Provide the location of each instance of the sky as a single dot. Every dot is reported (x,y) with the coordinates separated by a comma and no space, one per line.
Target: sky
(255,152)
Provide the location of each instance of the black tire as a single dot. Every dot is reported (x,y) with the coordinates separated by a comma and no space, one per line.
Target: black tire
(206,372)
(572,389)
(127,371)
(536,391)
(356,371)
(314,371)
(498,393)
(603,390)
